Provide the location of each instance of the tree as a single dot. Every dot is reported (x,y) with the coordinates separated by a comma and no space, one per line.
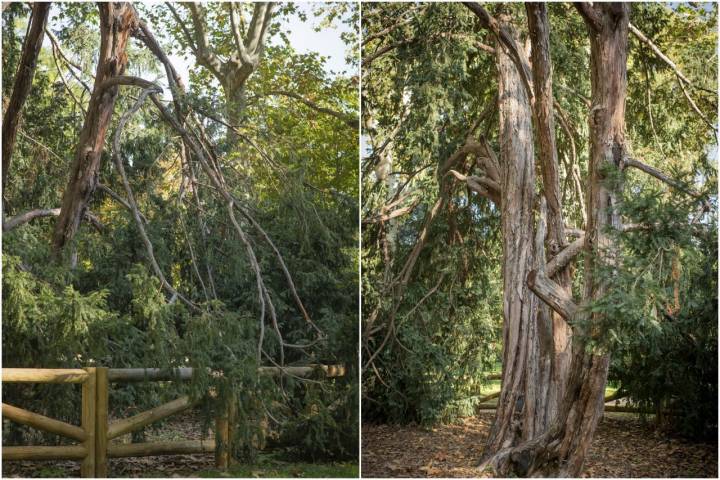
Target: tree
(246,51)
(117,22)
(23,82)
(556,339)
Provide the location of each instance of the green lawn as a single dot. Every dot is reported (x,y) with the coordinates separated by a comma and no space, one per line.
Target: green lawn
(494,386)
(269,466)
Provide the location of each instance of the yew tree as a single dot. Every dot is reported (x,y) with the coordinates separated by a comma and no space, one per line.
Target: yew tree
(530,115)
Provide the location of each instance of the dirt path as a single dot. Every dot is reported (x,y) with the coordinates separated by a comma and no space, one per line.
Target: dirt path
(623,447)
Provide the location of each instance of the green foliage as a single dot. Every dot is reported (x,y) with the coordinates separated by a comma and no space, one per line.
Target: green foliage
(293,170)
(427,84)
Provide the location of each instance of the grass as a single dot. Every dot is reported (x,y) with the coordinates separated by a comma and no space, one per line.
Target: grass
(494,386)
(270,466)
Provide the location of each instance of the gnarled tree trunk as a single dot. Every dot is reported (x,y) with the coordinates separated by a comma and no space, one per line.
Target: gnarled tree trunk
(117,22)
(561,450)
(527,332)
(539,28)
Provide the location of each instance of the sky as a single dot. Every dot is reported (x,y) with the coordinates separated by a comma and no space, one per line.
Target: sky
(304,39)
(302,35)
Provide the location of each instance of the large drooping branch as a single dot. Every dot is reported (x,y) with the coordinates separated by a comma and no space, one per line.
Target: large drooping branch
(202,148)
(131,197)
(117,21)
(23,82)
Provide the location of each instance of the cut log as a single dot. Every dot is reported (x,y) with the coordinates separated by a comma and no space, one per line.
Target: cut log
(43,375)
(304,371)
(140,420)
(127,375)
(42,422)
(161,448)
(65,452)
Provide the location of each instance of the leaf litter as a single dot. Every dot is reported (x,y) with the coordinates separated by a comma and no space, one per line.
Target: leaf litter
(623,447)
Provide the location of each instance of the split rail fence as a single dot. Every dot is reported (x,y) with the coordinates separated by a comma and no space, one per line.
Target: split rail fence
(95,431)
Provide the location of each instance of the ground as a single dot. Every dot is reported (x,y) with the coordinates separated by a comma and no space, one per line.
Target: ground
(185,426)
(623,447)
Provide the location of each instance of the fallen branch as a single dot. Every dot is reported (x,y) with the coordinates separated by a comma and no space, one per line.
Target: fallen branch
(131,198)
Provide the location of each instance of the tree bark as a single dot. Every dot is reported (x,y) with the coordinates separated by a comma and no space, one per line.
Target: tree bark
(539,28)
(117,22)
(527,331)
(561,450)
(23,82)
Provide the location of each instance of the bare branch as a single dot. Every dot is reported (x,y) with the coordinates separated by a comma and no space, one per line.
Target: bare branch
(26,217)
(552,294)
(566,255)
(128,81)
(652,171)
(482,185)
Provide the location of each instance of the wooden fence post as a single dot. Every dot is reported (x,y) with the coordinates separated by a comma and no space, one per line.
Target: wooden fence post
(87,468)
(222,438)
(224,432)
(231,419)
(101,423)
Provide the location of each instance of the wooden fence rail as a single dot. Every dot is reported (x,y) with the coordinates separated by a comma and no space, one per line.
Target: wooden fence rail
(95,430)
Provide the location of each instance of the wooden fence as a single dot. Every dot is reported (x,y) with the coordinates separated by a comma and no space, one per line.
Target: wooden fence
(95,432)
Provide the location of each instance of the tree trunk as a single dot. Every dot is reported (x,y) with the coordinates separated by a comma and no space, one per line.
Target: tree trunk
(234,109)
(23,82)
(561,450)
(527,331)
(539,28)
(117,21)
